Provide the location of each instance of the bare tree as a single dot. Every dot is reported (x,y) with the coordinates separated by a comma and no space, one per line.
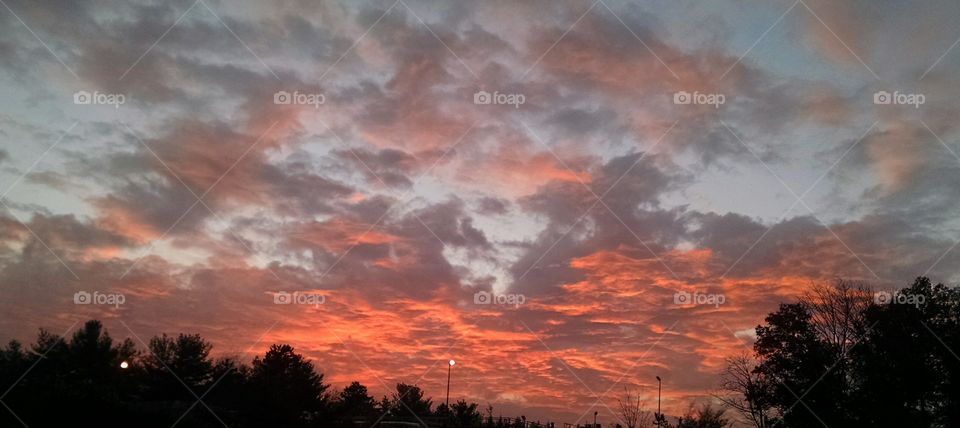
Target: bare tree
(632,411)
(741,389)
(838,312)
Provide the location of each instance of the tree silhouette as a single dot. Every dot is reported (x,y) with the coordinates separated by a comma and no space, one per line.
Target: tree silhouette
(841,359)
(289,391)
(409,400)
(631,410)
(464,415)
(742,389)
(175,364)
(355,403)
(853,362)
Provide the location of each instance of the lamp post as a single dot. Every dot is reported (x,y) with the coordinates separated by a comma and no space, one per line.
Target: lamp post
(449,369)
(595,419)
(659,388)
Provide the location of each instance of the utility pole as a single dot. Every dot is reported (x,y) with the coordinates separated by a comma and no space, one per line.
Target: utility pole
(659,389)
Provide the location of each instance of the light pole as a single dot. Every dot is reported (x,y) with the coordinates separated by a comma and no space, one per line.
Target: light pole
(595,419)
(659,388)
(449,369)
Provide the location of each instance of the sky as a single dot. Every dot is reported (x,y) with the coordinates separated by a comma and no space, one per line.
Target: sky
(566,198)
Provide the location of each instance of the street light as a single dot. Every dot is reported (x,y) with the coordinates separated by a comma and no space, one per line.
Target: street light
(595,419)
(659,388)
(449,369)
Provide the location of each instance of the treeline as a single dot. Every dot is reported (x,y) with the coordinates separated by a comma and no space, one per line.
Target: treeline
(844,356)
(91,380)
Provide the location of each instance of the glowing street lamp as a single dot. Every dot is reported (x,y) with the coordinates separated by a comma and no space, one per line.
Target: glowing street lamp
(449,369)
(124,364)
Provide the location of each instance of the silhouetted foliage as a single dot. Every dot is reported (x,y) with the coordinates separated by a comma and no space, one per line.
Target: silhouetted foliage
(838,358)
(355,403)
(835,357)
(288,390)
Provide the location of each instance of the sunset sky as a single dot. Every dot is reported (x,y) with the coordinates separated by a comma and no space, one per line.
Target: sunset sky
(193,189)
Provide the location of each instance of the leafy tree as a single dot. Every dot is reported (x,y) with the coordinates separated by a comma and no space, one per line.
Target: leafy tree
(355,402)
(465,415)
(290,393)
(175,364)
(704,417)
(798,365)
(409,400)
